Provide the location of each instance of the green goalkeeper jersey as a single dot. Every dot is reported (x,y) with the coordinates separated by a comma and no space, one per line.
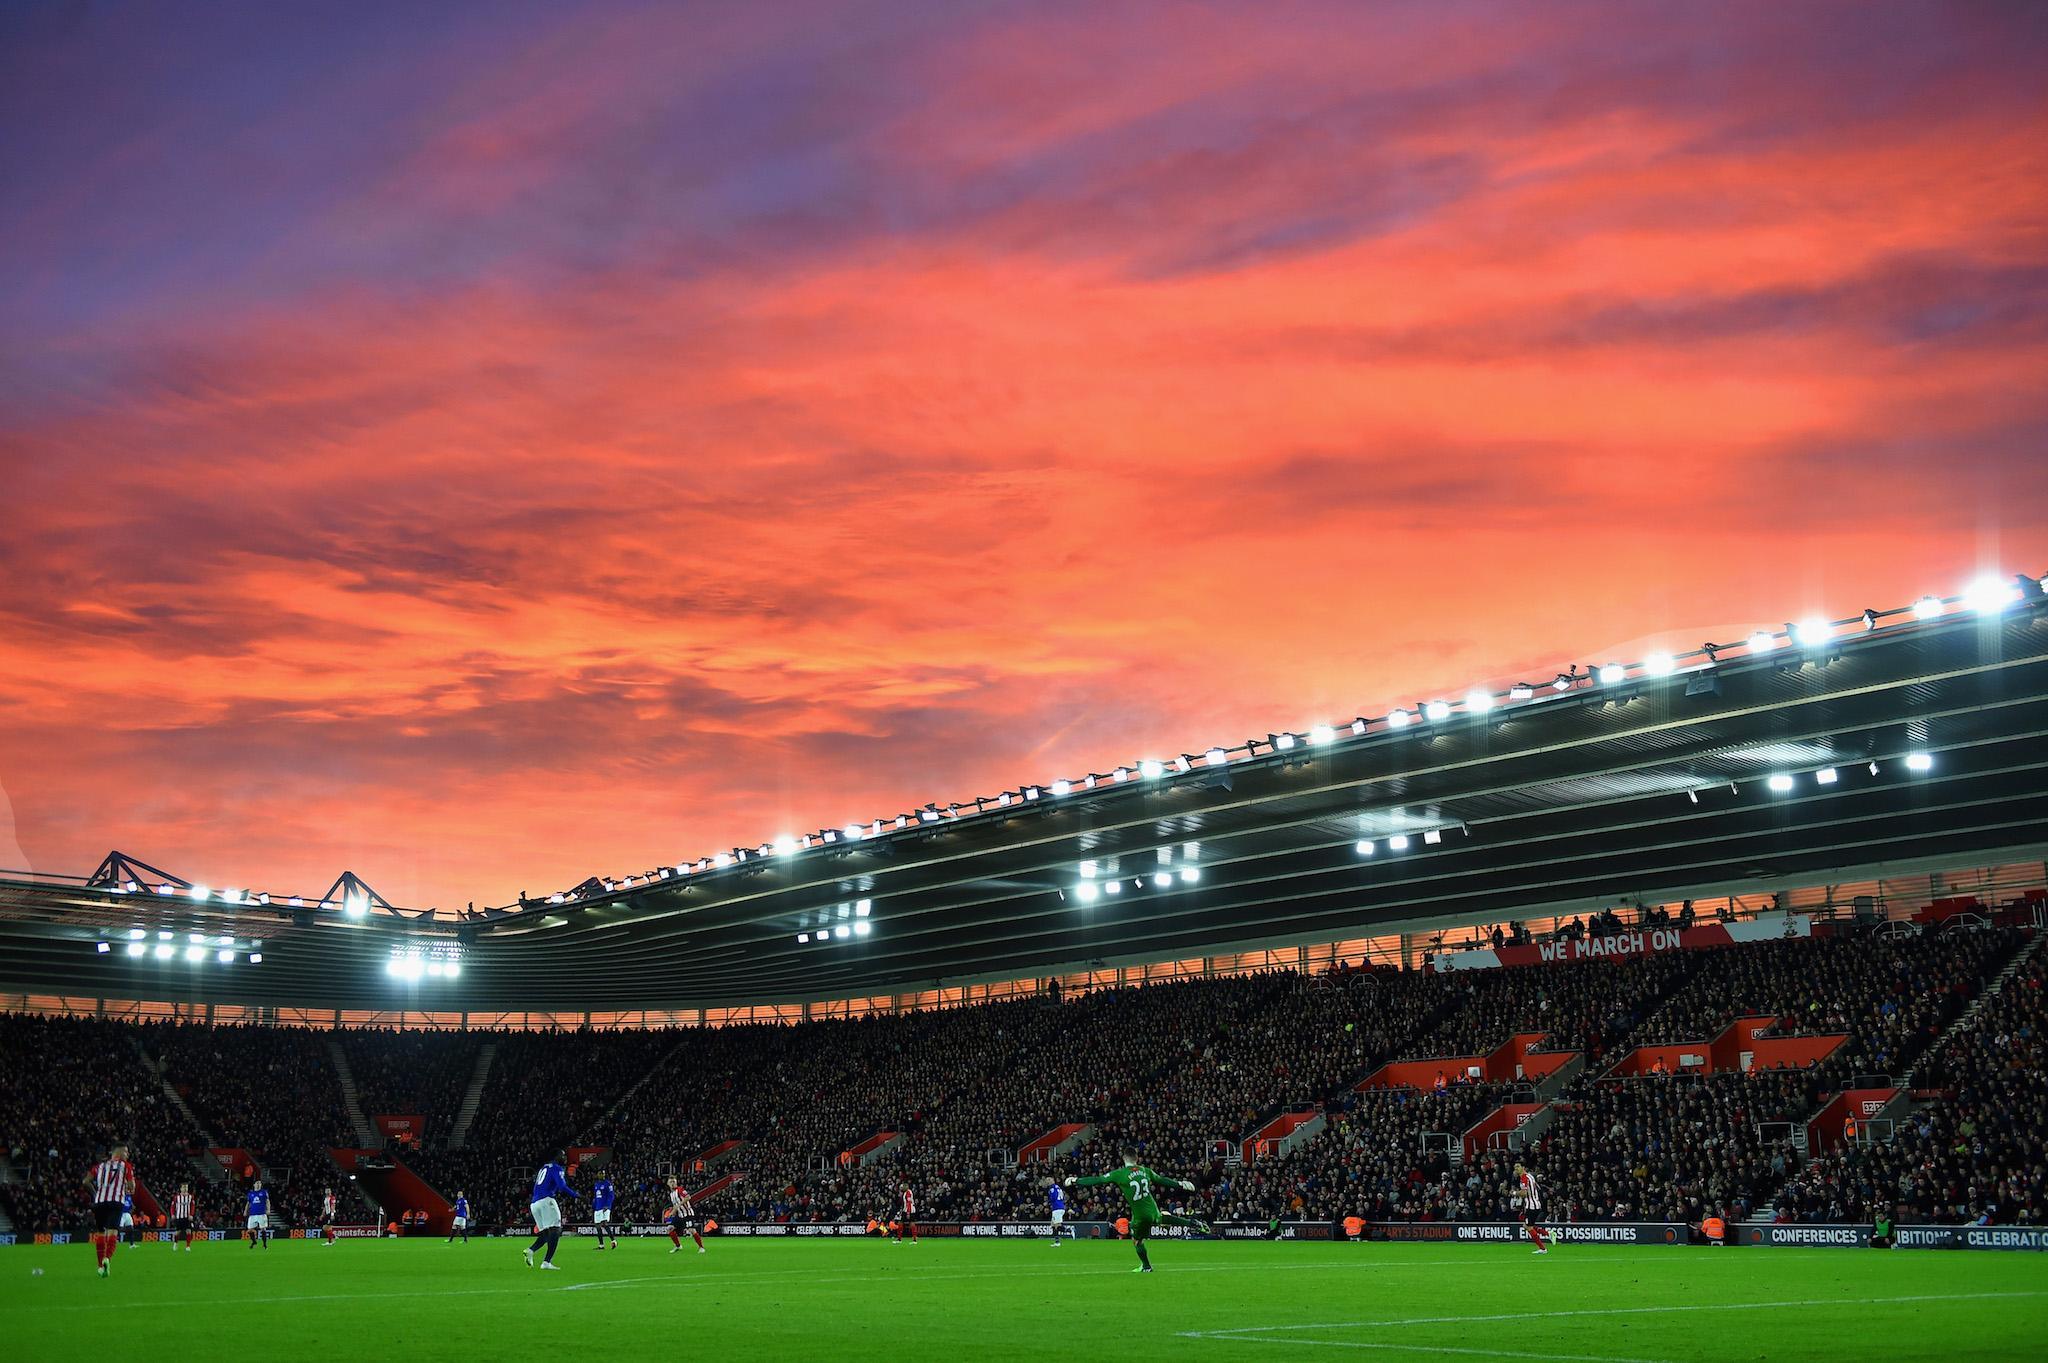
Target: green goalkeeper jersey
(1137,1183)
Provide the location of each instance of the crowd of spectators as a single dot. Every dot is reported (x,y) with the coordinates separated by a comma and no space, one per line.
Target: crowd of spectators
(1889,994)
(1184,1070)
(1673,1149)
(545,1090)
(70,1089)
(272,1091)
(1977,1153)
(412,1073)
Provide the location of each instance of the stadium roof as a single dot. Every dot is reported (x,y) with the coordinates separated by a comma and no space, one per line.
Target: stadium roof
(1690,777)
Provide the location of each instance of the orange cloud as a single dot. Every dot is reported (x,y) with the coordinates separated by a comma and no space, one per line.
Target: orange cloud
(593,457)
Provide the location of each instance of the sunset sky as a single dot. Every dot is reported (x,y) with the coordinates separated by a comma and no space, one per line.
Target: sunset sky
(480,446)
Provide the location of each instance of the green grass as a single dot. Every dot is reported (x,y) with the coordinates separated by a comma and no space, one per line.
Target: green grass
(421,1300)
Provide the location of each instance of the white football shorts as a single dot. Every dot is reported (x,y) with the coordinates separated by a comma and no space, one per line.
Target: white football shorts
(547,1215)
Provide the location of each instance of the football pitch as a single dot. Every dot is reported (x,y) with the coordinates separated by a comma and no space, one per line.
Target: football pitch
(425,1300)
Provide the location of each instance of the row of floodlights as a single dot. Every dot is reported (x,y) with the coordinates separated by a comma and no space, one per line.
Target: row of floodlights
(1099,878)
(855,923)
(198,946)
(1986,595)
(1784,782)
(414,963)
(1397,842)
(354,905)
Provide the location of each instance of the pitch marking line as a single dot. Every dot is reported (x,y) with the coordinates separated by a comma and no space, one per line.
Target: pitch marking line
(1292,1334)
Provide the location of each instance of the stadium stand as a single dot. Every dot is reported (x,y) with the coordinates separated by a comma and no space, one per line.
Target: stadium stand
(73,1087)
(269,1090)
(1975,1151)
(412,1073)
(826,1119)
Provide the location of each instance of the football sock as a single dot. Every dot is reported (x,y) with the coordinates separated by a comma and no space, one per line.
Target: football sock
(1143,1257)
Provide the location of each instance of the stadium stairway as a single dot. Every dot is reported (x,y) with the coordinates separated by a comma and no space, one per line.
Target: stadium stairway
(209,1168)
(1900,1101)
(604,1118)
(351,1104)
(473,1097)
(1968,1019)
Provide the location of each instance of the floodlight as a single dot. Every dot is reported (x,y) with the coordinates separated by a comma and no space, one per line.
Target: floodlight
(1399,719)
(1521,691)
(1780,783)
(224,957)
(136,948)
(1763,641)
(1363,847)
(1216,757)
(803,939)
(785,846)
(863,928)
(255,958)
(1190,874)
(1150,769)
(1919,761)
(1162,879)
(1926,608)
(1086,892)
(1062,786)
(193,953)
(1282,742)
(1398,843)
(1813,632)
(1990,595)
(842,931)
(102,948)
(1113,887)
(1826,776)
(163,953)
(1612,674)
(197,892)
(1437,710)
(1659,665)
(863,907)
(1478,702)
(1322,735)
(1433,836)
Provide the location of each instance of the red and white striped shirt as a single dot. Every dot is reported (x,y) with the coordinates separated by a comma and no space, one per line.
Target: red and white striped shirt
(909,1203)
(112,1179)
(1532,1197)
(679,1198)
(327,1207)
(181,1206)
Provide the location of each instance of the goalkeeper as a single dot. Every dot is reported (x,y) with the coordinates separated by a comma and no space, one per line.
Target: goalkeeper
(1137,1183)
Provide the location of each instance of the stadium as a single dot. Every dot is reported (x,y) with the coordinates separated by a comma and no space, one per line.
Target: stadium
(1147,680)
(1773,908)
